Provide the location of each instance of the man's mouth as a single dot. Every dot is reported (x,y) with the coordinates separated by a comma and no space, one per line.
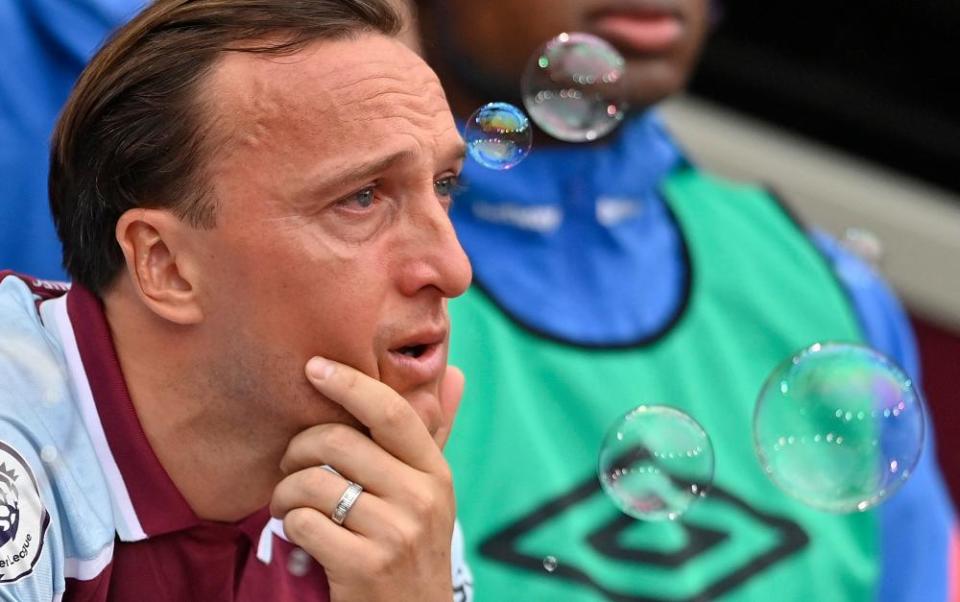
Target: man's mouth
(414,351)
(419,358)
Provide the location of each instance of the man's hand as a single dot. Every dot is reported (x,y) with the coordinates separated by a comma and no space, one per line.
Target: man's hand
(394,543)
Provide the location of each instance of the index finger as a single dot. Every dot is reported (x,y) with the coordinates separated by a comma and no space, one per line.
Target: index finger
(392,421)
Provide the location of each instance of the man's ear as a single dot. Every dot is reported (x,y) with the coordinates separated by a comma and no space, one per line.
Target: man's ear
(162,272)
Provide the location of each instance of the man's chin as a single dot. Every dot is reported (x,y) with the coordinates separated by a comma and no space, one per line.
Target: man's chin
(652,83)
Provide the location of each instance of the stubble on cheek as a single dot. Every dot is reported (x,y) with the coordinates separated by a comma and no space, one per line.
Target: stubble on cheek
(265,394)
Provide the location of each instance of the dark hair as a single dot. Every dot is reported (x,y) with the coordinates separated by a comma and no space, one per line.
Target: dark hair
(133,132)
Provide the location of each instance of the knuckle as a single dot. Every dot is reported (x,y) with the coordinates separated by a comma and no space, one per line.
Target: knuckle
(412,538)
(393,533)
(336,440)
(425,503)
(405,537)
(380,563)
(298,524)
(394,414)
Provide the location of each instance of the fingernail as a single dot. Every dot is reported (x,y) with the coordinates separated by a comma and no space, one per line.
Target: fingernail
(319,368)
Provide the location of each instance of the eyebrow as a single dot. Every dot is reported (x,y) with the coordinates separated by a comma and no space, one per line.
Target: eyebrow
(368,170)
(334,179)
(456,152)
(361,173)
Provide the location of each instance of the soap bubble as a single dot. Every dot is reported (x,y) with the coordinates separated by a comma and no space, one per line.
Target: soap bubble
(863,243)
(498,135)
(550,564)
(655,462)
(839,427)
(573,87)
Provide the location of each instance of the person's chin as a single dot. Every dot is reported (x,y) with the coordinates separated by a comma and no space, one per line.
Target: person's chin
(651,83)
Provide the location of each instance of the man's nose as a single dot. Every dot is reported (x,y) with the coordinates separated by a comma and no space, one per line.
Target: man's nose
(438,259)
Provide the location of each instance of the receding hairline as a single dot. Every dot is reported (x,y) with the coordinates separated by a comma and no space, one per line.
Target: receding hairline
(222,103)
(219,117)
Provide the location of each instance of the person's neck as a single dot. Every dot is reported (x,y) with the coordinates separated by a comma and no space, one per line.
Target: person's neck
(218,457)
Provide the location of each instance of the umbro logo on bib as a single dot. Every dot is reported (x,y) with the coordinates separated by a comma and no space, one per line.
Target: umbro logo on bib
(23,519)
(761,540)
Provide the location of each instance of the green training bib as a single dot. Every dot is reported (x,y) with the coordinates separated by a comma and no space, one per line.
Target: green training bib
(525,445)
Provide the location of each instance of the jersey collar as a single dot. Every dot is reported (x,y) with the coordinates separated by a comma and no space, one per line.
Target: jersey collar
(146,501)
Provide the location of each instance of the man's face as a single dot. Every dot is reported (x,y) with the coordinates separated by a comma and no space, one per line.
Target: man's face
(660,39)
(332,233)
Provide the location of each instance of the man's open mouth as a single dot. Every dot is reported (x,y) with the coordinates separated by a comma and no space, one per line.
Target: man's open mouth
(414,351)
(420,357)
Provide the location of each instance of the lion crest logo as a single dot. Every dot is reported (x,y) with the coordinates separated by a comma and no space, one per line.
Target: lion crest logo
(9,505)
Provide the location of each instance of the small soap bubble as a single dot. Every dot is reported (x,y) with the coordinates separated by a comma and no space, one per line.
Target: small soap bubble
(864,243)
(498,135)
(858,402)
(573,87)
(655,462)
(550,564)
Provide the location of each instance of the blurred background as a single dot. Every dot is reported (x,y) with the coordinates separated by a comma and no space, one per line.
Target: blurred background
(849,110)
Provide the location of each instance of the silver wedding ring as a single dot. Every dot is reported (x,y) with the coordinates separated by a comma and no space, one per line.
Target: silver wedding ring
(347,500)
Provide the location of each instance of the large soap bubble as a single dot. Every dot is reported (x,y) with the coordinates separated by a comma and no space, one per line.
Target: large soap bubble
(839,427)
(573,87)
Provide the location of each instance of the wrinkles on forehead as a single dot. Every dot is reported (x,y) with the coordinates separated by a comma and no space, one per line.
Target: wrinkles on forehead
(328,94)
(384,93)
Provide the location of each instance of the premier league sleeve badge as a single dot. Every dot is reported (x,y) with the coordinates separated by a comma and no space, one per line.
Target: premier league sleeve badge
(23,519)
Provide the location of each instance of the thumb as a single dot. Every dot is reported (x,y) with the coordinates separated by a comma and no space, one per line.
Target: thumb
(451,392)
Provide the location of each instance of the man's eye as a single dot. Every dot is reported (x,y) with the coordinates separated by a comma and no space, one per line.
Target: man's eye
(362,199)
(447,186)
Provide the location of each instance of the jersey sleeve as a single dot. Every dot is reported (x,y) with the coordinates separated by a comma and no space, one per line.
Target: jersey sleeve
(918,524)
(31,381)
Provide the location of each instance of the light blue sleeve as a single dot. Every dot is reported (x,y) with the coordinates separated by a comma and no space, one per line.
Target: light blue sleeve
(916,523)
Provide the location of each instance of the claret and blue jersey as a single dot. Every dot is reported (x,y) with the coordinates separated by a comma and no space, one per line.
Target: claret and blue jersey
(118,528)
(91,513)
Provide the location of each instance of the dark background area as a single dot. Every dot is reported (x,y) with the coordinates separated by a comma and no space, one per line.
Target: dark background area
(879,79)
(940,356)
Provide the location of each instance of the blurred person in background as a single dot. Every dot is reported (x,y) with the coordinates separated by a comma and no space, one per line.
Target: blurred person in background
(616,273)
(45,45)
